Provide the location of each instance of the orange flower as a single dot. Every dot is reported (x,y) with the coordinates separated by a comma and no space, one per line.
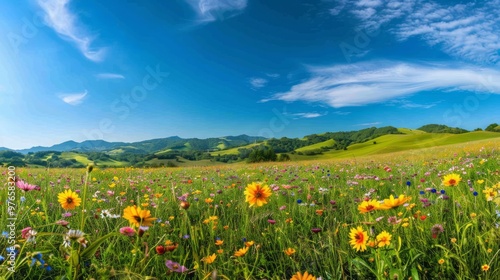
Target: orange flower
(137,216)
(241,252)
(368,206)
(359,238)
(290,251)
(257,194)
(300,276)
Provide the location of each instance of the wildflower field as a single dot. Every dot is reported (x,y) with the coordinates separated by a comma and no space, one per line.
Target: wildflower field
(424,214)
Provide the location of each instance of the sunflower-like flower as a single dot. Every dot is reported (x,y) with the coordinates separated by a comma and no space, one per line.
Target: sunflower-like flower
(257,194)
(384,239)
(451,180)
(69,200)
(368,206)
(300,276)
(137,216)
(392,202)
(359,238)
(241,252)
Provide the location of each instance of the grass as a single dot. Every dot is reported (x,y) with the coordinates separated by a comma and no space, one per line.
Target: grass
(443,232)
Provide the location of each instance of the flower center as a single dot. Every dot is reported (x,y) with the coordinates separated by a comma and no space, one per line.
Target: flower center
(69,200)
(452,182)
(138,219)
(258,194)
(359,237)
(370,207)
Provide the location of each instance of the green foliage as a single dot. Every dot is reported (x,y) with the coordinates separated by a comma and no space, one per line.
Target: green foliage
(494,127)
(439,128)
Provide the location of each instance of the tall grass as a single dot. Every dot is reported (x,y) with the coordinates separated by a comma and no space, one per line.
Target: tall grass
(312,210)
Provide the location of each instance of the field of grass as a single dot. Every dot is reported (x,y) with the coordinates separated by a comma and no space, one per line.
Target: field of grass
(328,143)
(233,151)
(326,217)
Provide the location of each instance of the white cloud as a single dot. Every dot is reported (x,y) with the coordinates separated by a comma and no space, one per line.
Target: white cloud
(212,10)
(375,82)
(110,76)
(467,31)
(258,82)
(59,17)
(411,105)
(73,98)
(307,115)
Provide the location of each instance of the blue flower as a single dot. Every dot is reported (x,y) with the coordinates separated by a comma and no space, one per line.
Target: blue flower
(5,234)
(422,192)
(475,193)
(443,191)
(433,191)
(408,183)
(299,201)
(2,259)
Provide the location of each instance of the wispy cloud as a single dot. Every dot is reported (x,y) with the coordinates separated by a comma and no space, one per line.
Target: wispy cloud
(367,83)
(258,82)
(369,124)
(212,10)
(108,76)
(307,115)
(411,105)
(467,31)
(65,23)
(73,98)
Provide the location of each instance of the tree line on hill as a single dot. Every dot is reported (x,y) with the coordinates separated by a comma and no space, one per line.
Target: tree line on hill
(269,150)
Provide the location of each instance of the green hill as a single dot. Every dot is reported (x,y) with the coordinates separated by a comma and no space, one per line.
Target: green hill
(403,142)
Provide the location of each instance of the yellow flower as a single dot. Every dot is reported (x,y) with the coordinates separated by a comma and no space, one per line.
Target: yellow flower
(209,200)
(490,194)
(453,240)
(392,202)
(451,180)
(219,242)
(368,206)
(249,243)
(137,216)
(289,251)
(209,259)
(384,239)
(241,252)
(69,200)
(441,261)
(480,182)
(359,238)
(300,276)
(473,215)
(485,267)
(257,194)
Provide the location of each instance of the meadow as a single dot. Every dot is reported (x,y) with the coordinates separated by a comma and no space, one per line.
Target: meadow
(430,213)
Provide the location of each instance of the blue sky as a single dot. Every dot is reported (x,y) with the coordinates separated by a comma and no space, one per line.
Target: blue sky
(136,70)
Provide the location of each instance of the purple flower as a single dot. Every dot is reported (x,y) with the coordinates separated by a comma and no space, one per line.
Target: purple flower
(316,230)
(175,267)
(272,222)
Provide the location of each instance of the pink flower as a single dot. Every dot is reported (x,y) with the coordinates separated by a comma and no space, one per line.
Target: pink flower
(24,232)
(128,231)
(26,187)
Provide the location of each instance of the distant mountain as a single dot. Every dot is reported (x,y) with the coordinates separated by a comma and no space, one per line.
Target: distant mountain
(149,146)
(4,149)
